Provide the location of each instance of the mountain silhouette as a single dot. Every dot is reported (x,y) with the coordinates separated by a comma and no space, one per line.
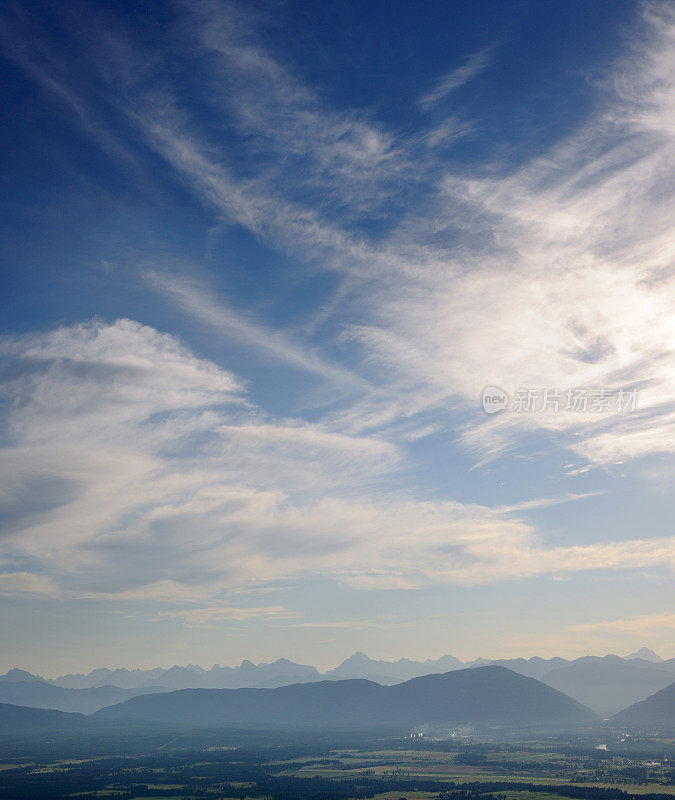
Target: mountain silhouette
(360,665)
(604,683)
(278,673)
(16,675)
(481,696)
(645,654)
(656,711)
(18,719)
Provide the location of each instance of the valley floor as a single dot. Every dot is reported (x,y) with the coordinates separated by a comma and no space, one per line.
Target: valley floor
(213,766)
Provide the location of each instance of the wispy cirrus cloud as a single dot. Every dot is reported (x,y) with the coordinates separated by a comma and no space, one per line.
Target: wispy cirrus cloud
(347,159)
(551,275)
(563,278)
(195,300)
(453,319)
(473,65)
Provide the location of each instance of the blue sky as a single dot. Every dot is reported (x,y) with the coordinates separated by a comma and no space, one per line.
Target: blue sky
(260,261)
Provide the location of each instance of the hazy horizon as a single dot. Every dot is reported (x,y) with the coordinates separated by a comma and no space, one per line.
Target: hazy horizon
(321,667)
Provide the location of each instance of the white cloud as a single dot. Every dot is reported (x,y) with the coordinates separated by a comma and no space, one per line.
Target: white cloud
(557,274)
(562,279)
(177,490)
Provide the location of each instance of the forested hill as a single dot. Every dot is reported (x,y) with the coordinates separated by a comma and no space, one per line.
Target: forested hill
(19,719)
(658,710)
(481,696)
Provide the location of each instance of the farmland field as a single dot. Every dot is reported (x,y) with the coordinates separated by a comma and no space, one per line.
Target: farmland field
(245,765)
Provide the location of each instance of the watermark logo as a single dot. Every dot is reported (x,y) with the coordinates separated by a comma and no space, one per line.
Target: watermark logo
(494,399)
(579,400)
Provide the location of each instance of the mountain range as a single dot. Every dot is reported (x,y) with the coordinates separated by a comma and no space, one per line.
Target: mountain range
(277,673)
(480,698)
(606,684)
(487,696)
(390,672)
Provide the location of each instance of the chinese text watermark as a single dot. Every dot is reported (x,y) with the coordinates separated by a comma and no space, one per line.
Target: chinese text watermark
(581,400)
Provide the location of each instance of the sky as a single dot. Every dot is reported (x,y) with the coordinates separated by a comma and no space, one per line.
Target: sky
(335,327)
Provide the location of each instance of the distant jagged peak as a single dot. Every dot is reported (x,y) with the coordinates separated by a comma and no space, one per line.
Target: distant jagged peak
(481,662)
(446,660)
(188,668)
(358,658)
(359,665)
(16,675)
(361,658)
(644,654)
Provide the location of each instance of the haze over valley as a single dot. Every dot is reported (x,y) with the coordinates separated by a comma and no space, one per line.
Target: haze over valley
(606,684)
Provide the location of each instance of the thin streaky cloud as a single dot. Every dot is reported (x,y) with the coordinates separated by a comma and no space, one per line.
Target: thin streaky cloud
(642,622)
(196,301)
(340,625)
(547,502)
(209,616)
(473,66)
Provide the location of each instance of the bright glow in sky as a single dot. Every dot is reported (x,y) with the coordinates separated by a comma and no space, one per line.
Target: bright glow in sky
(260,262)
